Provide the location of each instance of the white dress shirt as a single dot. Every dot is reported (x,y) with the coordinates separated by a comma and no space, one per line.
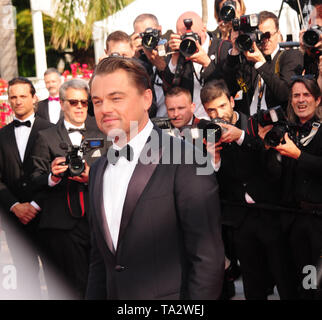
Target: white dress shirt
(116,179)
(22,135)
(54,109)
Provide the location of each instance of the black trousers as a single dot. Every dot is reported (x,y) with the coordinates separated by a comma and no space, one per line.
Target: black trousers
(65,256)
(261,248)
(305,239)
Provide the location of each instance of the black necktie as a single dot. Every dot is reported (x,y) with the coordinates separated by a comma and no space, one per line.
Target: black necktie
(18,123)
(114,155)
(70,130)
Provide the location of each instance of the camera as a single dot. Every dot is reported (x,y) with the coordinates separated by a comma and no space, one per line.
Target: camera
(188,44)
(270,116)
(74,155)
(247,26)
(312,36)
(162,122)
(150,38)
(212,131)
(228,11)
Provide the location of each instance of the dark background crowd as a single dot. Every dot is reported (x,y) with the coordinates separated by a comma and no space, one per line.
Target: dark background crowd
(248,100)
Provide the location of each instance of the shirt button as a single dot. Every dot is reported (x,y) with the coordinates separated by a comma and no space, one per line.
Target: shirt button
(119,268)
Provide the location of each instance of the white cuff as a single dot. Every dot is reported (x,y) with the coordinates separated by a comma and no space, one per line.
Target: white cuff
(52,183)
(241,138)
(35,205)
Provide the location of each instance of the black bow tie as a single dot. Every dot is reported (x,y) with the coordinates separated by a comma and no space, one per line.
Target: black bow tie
(268,57)
(114,155)
(18,123)
(70,130)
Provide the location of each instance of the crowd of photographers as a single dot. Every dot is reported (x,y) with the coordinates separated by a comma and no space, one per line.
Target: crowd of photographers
(250,105)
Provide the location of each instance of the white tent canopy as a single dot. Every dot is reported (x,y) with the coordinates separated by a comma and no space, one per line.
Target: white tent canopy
(168,11)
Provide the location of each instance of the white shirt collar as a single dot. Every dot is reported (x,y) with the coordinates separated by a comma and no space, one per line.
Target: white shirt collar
(68,125)
(31,118)
(138,141)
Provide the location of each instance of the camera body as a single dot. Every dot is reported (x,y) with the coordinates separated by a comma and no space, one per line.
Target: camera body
(228,11)
(150,38)
(212,131)
(312,36)
(188,44)
(74,155)
(247,26)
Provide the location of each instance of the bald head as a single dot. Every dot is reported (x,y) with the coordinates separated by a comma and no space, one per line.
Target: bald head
(197,25)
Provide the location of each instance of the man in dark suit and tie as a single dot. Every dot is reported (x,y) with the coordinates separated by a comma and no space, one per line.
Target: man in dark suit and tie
(49,108)
(63,226)
(19,212)
(154,223)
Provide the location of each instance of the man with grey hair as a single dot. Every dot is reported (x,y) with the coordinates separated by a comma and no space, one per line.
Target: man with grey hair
(49,109)
(63,227)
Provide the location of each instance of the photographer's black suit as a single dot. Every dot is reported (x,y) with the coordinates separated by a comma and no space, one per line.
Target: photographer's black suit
(65,238)
(16,186)
(276,74)
(256,230)
(169,244)
(217,51)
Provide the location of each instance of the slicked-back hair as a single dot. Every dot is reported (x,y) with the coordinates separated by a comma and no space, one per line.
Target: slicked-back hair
(312,86)
(77,84)
(264,15)
(132,67)
(175,91)
(213,90)
(146,16)
(118,36)
(52,70)
(22,80)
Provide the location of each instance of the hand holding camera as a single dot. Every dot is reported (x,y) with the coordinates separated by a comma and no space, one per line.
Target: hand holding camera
(58,168)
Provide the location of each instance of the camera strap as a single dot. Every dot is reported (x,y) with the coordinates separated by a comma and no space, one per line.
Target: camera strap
(306,140)
(75,199)
(261,88)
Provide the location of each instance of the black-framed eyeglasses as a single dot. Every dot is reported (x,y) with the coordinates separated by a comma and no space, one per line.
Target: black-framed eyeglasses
(268,35)
(75,102)
(302,77)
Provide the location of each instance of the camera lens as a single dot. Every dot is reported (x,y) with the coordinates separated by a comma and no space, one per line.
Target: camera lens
(212,132)
(244,42)
(188,47)
(149,41)
(311,37)
(227,12)
(274,137)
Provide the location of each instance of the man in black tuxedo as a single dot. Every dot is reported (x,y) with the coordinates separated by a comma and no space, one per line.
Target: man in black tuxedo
(260,79)
(249,192)
(19,213)
(155,226)
(49,108)
(63,226)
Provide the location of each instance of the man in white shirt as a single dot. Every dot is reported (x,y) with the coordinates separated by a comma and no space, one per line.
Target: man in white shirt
(49,108)
(20,214)
(155,226)
(63,226)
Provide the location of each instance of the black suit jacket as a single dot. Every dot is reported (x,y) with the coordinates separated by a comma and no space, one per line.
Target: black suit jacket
(276,74)
(15,175)
(53,200)
(169,243)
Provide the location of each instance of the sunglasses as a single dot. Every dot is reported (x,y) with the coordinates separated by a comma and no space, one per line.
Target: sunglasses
(303,76)
(75,102)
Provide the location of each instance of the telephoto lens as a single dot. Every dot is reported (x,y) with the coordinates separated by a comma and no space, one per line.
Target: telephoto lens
(312,36)
(228,11)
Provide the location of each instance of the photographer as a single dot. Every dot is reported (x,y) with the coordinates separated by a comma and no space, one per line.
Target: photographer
(248,196)
(301,152)
(63,226)
(119,42)
(225,11)
(257,70)
(197,56)
(152,54)
(311,44)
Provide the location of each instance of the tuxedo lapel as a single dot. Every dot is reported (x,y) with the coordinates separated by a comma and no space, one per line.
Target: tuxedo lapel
(32,138)
(11,141)
(62,132)
(99,203)
(46,110)
(140,178)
